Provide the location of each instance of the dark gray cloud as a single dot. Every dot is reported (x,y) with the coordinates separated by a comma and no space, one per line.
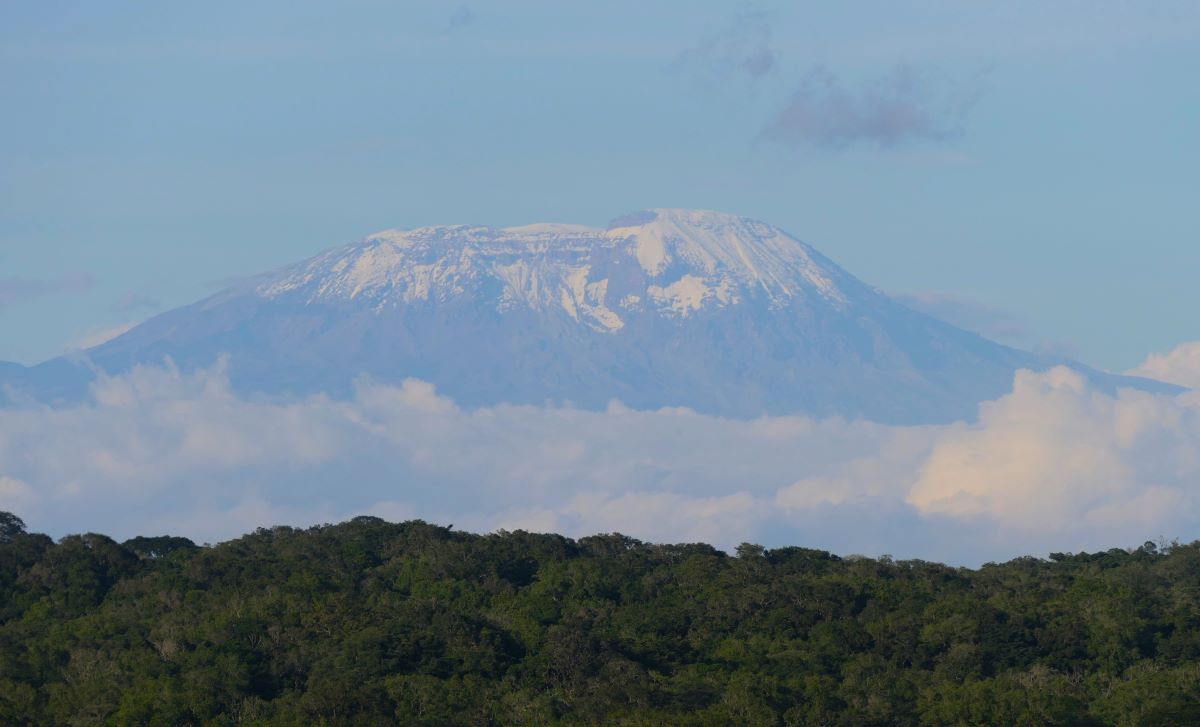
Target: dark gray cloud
(18,289)
(895,108)
(741,48)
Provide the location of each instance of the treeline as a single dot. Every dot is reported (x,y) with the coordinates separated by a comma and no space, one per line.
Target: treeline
(369,622)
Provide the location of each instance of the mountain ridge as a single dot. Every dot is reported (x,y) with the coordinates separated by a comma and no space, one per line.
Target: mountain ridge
(719,313)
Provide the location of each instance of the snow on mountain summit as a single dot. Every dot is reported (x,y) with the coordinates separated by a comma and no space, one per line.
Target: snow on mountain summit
(719,313)
(665,261)
(718,243)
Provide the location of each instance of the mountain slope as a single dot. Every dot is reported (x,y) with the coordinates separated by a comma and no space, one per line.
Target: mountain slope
(719,313)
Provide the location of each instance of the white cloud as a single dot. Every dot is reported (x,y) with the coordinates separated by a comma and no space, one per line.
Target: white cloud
(1054,465)
(1057,459)
(1032,456)
(1180,366)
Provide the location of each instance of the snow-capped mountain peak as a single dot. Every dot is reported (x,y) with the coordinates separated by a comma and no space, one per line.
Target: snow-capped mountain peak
(752,252)
(672,263)
(716,312)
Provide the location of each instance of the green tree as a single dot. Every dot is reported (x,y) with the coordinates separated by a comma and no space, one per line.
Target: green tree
(10,526)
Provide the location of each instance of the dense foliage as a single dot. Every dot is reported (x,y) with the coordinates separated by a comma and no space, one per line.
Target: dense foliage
(375,623)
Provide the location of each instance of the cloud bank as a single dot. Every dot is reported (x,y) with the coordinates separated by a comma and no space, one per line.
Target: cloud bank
(1053,465)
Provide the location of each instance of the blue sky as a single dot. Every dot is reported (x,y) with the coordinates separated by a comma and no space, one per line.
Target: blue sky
(1025,162)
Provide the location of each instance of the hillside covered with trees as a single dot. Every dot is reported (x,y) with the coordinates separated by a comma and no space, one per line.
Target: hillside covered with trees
(369,622)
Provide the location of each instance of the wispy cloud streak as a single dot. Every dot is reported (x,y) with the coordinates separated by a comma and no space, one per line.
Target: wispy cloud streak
(18,289)
(743,48)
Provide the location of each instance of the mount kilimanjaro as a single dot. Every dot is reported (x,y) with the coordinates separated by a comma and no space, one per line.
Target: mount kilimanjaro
(718,313)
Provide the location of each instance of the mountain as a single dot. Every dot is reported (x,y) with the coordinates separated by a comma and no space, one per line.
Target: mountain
(719,313)
(12,373)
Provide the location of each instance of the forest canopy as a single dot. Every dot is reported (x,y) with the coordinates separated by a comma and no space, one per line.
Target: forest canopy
(370,622)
